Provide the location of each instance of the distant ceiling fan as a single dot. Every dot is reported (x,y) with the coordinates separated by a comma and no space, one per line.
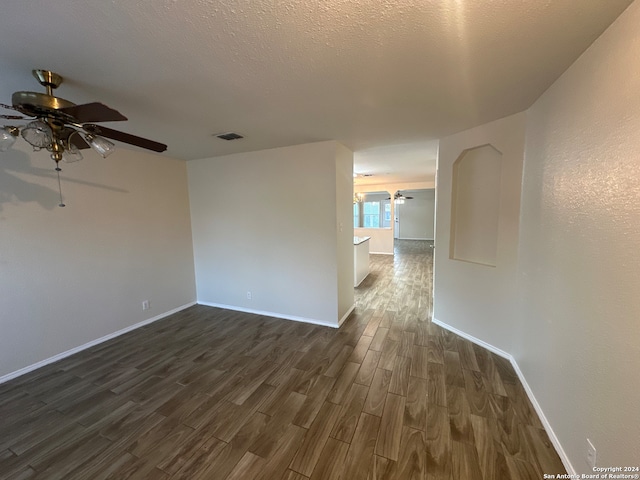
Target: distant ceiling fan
(62,127)
(399,198)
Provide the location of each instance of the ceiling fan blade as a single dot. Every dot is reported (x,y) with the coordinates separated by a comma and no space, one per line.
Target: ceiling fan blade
(126,138)
(12,117)
(93,112)
(10,107)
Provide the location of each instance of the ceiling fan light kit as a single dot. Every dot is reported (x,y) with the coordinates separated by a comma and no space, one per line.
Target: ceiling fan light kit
(62,127)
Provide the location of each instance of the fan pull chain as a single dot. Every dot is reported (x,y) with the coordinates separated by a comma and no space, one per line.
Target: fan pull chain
(61,204)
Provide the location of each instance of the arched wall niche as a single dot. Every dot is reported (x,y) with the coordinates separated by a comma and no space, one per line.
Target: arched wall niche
(475,205)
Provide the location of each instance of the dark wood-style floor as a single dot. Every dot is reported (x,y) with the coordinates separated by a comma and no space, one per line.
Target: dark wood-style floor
(214,394)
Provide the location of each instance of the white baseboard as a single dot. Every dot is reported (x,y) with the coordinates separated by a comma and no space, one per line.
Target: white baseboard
(270,314)
(346,315)
(475,340)
(60,356)
(381,253)
(545,422)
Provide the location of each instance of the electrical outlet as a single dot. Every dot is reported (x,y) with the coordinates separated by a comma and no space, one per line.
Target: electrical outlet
(146,305)
(591,454)
(248,295)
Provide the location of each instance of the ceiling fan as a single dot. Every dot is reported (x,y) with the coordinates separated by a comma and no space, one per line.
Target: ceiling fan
(399,198)
(62,127)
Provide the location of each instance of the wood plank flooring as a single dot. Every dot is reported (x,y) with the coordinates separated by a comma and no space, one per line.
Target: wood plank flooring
(215,394)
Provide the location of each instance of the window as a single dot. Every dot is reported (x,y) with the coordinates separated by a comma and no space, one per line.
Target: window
(373,211)
(371,215)
(386,220)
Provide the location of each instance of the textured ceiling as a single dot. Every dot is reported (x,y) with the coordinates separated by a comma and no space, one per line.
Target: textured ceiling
(414,162)
(368,73)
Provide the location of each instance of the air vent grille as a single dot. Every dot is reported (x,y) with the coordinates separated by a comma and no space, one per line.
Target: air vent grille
(229,136)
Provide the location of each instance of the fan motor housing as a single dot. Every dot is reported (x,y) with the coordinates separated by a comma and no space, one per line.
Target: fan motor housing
(36,104)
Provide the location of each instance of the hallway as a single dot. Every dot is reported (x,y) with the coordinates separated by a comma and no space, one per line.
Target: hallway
(215,394)
(479,422)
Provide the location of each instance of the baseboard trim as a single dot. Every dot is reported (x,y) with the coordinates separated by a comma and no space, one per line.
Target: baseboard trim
(381,253)
(545,422)
(60,356)
(346,315)
(269,314)
(356,286)
(473,339)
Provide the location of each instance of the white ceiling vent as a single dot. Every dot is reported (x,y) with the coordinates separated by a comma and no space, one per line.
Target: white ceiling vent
(229,136)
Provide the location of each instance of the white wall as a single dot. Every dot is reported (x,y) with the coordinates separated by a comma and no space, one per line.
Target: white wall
(344,212)
(580,250)
(381,239)
(69,276)
(417,215)
(478,299)
(570,316)
(269,222)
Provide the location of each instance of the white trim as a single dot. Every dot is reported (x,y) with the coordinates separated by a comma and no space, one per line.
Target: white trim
(475,340)
(545,422)
(408,238)
(60,356)
(346,315)
(547,426)
(270,314)
(381,253)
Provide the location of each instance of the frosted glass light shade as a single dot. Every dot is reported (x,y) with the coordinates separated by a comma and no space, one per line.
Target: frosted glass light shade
(101,145)
(71,154)
(38,134)
(8,137)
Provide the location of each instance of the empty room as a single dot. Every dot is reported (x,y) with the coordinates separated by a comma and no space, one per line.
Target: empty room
(320,240)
